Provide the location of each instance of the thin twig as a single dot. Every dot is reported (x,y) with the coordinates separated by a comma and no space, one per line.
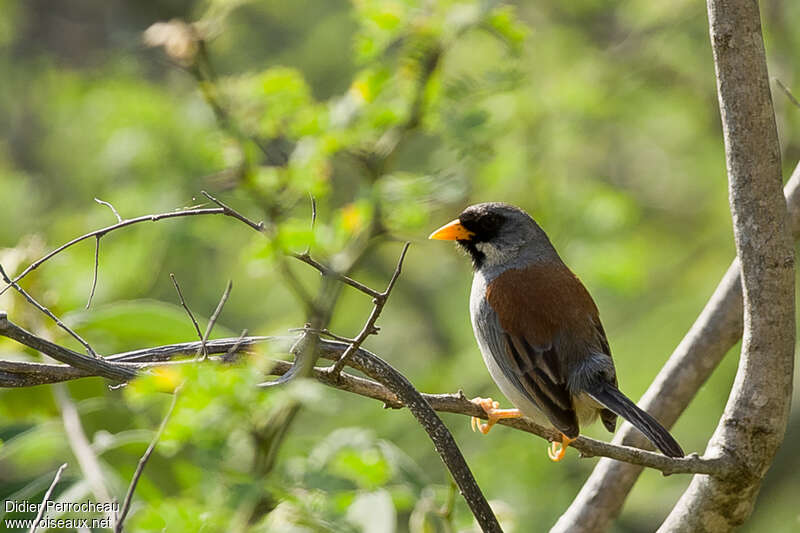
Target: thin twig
(81,448)
(233,350)
(43,505)
(113,210)
(96,267)
(213,320)
(295,285)
(787,92)
(369,327)
(258,226)
(327,271)
(313,210)
(126,504)
(47,312)
(203,72)
(186,307)
(313,219)
(325,332)
(108,229)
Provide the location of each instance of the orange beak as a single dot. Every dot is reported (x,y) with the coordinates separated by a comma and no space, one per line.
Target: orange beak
(452,231)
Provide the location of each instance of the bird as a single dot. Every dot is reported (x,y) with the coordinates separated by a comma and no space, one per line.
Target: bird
(539,331)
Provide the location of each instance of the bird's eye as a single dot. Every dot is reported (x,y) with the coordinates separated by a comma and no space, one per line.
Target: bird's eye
(490,222)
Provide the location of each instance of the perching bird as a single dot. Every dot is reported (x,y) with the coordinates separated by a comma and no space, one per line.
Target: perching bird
(539,331)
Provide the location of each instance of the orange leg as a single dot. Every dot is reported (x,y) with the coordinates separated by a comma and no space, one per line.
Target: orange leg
(558,450)
(494,413)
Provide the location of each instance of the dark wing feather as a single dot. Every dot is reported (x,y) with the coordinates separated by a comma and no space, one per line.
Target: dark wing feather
(607,416)
(536,370)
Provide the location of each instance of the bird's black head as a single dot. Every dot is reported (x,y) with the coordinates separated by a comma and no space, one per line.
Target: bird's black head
(484,222)
(497,234)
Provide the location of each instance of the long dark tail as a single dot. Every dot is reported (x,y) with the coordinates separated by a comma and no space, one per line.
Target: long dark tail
(610,396)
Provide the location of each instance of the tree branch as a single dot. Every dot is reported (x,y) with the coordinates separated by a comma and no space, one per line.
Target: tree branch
(717,329)
(457,403)
(213,320)
(47,312)
(81,448)
(369,327)
(43,505)
(327,271)
(186,308)
(752,427)
(93,365)
(126,504)
(29,373)
(108,229)
(443,440)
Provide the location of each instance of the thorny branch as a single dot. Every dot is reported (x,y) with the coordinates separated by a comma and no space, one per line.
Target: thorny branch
(231,212)
(369,327)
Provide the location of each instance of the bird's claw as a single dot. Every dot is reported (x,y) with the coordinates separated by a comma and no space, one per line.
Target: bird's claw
(557,450)
(493,413)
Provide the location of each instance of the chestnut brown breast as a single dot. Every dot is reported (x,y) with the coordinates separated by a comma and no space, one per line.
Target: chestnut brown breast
(539,301)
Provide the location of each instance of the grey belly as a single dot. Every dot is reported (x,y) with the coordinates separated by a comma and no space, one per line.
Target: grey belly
(489,335)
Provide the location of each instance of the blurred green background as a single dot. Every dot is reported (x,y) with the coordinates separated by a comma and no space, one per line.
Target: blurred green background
(598,118)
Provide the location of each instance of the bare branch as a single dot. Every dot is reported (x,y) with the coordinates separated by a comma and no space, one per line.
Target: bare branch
(324,332)
(459,404)
(93,365)
(327,271)
(81,448)
(47,495)
(753,424)
(213,320)
(108,229)
(96,267)
(231,352)
(186,307)
(47,312)
(126,504)
(442,439)
(369,327)
(113,210)
(231,212)
(787,92)
(29,373)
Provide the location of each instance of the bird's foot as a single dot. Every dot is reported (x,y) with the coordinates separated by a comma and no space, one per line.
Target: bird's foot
(493,412)
(558,450)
